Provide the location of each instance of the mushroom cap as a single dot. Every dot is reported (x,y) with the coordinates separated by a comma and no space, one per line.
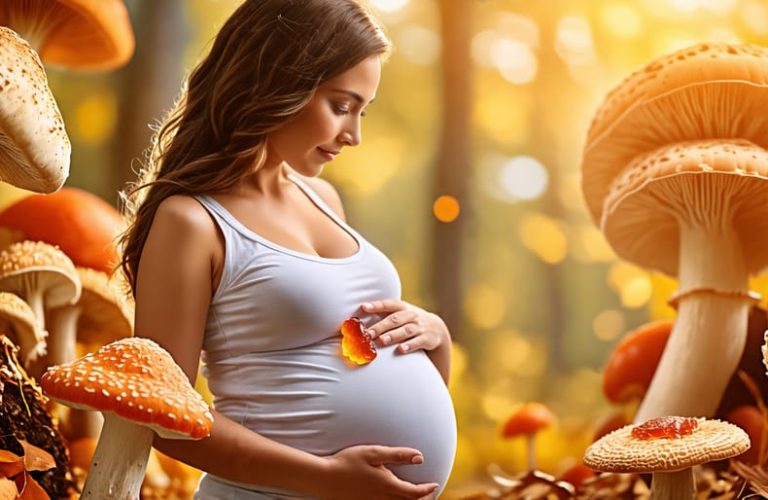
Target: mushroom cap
(528,419)
(711,440)
(704,91)
(136,379)
(104,316)
(639,218)
(634,360)
(83,225)
(34,147)
(37,264)
(74,34)
(23,327)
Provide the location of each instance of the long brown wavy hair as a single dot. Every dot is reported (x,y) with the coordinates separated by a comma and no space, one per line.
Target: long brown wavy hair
(263,68)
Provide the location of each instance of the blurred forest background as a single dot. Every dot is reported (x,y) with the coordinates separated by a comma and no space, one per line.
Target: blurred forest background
(468,178)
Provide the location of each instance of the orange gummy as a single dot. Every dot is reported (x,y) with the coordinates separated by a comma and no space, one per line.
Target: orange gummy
(665,427)
(356,345)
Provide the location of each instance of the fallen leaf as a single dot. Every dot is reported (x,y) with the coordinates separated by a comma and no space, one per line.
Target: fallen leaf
(10,463)
(32,490)
(36,458)
(8,490)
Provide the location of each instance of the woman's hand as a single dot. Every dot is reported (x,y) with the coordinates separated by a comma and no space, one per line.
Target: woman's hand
(405,324)
(359,471)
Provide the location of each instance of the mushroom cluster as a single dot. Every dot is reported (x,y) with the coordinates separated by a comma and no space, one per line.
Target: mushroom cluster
(674,173)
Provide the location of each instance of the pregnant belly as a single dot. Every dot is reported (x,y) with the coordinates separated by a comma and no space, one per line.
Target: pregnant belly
(311,399)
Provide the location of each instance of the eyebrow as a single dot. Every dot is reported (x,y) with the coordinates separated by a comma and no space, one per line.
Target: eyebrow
(354,95)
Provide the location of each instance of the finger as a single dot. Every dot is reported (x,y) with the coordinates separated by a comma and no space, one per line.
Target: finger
(410,490)
(381,306)
(401,334)
(394,320)
(380,455)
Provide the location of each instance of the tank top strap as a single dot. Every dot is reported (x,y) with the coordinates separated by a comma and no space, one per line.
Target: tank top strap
(322,205)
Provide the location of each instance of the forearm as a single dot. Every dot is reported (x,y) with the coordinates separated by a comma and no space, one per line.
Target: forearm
(441,358)
(235,453)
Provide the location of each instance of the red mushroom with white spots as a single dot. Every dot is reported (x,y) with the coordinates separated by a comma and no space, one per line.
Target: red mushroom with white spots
(140,390)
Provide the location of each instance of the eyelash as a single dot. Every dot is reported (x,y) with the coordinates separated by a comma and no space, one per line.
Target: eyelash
(343,110)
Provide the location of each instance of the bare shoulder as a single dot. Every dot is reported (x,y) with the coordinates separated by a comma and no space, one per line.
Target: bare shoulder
(327,192)
(186,211)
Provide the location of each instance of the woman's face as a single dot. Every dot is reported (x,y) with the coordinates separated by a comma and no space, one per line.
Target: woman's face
(329,122)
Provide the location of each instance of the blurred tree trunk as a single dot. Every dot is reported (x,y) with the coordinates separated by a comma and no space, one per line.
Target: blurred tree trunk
(151,81)
(453,170)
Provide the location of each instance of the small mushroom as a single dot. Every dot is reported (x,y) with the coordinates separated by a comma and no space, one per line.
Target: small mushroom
(528,420)
(40,274)
(34,147)
(74,34)
(682,444)
(17,322)
(633,361)
(140,389)
(81,224)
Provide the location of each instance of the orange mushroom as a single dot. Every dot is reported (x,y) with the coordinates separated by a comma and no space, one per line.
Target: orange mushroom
(631,365)
(752,421)
(528,420)
(75,34)
(81,224)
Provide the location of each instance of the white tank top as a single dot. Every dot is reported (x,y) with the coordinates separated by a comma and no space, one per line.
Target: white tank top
(271,355)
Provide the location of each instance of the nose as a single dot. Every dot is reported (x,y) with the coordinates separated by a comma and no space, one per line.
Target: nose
(352,134)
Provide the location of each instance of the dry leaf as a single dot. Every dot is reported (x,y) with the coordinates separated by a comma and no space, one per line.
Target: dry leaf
(8,490)
(10,463)
(32,490)
(36,458)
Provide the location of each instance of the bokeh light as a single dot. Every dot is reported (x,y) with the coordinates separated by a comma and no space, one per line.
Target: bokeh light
(609,324)
(446,208)
(389,5)
(545,237)
(523,178)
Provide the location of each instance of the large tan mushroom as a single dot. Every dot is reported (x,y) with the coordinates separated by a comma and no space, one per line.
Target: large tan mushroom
(140,389)
(39,273)
(706,91)
(695,210)
(74,34)
(18,323)
(34,147)
(668,448)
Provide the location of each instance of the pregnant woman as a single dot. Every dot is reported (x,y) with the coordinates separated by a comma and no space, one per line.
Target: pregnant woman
(239,253)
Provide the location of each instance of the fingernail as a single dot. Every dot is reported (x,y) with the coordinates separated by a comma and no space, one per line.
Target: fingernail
(404,347)
(418,459)
(385,339)
(367,305)
(371,333)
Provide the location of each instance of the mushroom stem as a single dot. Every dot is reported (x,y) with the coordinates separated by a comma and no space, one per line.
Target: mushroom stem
(673,485)
(62,335)
(120,460)
(34,298)
(531,450)
(710,331)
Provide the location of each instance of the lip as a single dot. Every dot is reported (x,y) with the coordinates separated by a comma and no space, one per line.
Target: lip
(329,155)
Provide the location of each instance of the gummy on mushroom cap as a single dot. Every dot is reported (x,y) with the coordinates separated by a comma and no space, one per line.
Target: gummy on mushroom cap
(711,440)
(703,91)
(74,34)
(34,147)
(136,379)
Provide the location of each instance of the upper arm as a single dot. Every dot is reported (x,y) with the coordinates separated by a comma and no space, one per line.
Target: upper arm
(328,193)
(173,285)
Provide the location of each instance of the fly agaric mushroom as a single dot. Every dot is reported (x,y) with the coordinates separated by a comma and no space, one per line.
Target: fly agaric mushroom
(17,322)
(633,361)
(75,34)
(667,447)
(40,274)
(694,210)
(528,420)
(34,147)
(140,389)
(81,224)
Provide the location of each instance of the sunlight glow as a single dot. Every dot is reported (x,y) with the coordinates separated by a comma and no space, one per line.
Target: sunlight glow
(389,5)
(573,41)
(485,306)
(545,237)
(622,20)
(515,61)
(755,15)
(418,44)
(524,178)
(608,325)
